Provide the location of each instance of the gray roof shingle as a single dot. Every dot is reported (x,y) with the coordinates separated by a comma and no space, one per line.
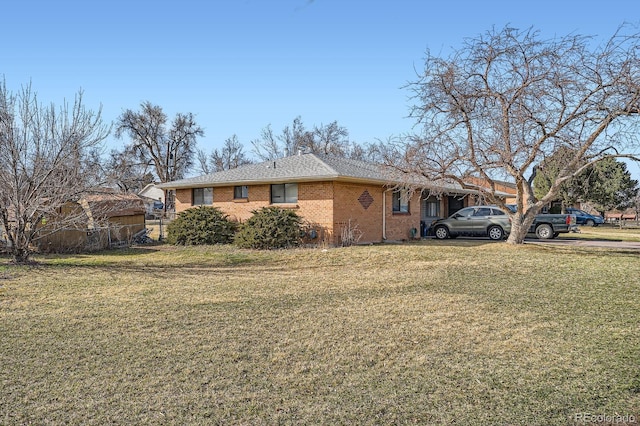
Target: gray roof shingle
(304,167)
(309,167)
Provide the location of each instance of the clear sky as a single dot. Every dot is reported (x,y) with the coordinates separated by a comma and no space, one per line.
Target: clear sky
(239,65)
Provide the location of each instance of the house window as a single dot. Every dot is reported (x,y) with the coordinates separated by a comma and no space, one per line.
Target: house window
(400,201)
(284,193)
(202,196)
(431,208)
(240,192)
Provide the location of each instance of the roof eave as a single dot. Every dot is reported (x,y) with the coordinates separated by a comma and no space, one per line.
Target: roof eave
(188,185)
(337,178)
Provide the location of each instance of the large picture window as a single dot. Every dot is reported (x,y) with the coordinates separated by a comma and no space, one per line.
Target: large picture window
(284,193)
(400,201)
(202,196)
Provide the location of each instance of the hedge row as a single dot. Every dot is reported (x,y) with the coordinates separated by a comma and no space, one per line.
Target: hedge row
(268,228)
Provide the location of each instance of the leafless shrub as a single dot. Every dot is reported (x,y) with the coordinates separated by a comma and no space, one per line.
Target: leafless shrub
(350,233)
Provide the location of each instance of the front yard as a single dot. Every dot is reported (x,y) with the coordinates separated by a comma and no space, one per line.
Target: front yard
(464,332)
(606,232)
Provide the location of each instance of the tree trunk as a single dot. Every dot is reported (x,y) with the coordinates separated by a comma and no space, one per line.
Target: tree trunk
(520,225)
(20,255)
(517,234)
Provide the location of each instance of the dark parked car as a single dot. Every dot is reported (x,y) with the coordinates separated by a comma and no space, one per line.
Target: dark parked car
(476,221)
(584,218)
(547,226)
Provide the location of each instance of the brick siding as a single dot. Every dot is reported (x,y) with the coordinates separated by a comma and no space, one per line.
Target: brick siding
(399,225)
(326,207)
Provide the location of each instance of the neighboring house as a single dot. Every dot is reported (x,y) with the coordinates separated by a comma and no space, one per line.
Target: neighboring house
(331,194)
(152,191)
(102,221)
(153,198)
(507,189)
(617,215)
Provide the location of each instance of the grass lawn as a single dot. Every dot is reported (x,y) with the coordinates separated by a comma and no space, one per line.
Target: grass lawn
(438,332)
(605,232)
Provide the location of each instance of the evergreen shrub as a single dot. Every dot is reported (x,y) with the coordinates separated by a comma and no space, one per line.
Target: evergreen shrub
(201,225)
(270,228)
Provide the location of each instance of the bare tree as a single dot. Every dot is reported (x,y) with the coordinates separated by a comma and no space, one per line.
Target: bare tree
(292,139)
(267,147)
(230,156)
(296,138)
(371,152)
(331,139)
(169,150)
(508,99)
(48,160)
(127,172)
(205,165)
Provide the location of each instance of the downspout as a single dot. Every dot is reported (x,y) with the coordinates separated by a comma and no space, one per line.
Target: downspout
(384,214)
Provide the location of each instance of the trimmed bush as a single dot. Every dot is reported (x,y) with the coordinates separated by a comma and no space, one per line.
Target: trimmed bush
(201,225)
(270,228)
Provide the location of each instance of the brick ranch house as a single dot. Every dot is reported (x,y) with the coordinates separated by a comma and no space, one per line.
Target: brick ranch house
(329,193)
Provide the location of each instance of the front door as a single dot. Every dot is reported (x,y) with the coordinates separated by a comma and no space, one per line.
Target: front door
(454,204)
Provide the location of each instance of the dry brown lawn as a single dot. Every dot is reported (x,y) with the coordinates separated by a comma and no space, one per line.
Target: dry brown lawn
(453,332)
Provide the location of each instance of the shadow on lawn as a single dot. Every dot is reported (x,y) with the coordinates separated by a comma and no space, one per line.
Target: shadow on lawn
(142,258)
(67,259)
(456,242)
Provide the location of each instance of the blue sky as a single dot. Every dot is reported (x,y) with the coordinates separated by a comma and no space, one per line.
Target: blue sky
(240,65)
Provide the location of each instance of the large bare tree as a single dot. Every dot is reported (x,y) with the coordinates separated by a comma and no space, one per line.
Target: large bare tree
(230,156)
(330,139)
(170,150)
(125,171)
(48,160)
(292,139)
(506,100)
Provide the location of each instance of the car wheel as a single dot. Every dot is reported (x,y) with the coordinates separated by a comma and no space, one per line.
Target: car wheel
(590,222)
(544,232)
(442,232)
(495,233)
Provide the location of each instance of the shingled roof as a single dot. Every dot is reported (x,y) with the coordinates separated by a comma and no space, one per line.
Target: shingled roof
(304,167)
(310,168)
(314,168)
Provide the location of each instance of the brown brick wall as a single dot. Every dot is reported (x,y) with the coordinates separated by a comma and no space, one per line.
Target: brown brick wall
(326,207)
(183,199)
(399,225)
(240,210)
(347,207)
(315,200)
(315,204)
